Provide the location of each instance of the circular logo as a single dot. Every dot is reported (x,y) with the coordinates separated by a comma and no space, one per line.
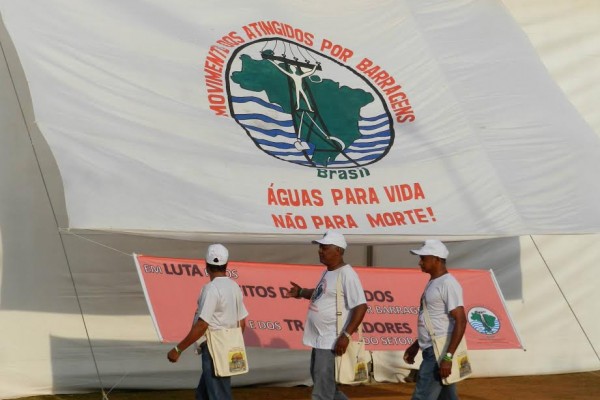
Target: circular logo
(304,107)
(319,290)
(483,320)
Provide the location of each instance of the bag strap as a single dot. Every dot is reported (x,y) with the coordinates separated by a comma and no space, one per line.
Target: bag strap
(426,317)
(237,307)
(340,305)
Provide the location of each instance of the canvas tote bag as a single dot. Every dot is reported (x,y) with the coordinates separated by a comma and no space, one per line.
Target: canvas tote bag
(228,350)
(353,366)
(461,365)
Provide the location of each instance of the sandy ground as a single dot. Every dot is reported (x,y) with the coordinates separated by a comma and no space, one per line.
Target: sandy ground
(580,386)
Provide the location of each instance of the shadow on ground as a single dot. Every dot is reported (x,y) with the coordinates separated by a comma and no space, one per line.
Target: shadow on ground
(579,386)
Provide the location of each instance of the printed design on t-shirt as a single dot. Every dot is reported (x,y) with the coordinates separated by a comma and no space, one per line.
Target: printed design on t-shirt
(319,291)
(422,300)
(420,317)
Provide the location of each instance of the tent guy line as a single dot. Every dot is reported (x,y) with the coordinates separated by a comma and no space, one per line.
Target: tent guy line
(564,297)
(67,231)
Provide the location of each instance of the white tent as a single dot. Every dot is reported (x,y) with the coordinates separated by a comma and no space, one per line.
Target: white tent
(72,310)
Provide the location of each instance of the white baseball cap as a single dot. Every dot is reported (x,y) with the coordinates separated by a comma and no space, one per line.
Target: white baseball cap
(332,237)
(217,254)
(432,247)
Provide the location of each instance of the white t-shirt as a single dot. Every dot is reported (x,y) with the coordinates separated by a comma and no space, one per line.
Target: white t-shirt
(442,294)
(219,303)
(320,329)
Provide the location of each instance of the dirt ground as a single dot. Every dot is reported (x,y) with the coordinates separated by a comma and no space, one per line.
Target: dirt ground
(580,386)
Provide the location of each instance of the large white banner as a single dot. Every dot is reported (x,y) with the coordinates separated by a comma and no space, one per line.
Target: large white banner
(378,118)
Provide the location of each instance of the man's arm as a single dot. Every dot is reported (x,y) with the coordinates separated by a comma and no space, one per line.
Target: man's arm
(460,324)
(243,324)
(356,316)
(306,293)
(195,333)
(298,292)
(411,352)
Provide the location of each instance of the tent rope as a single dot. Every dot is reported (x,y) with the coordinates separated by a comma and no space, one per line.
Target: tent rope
(565,297)
(67,231)
(35,154)
(105,394)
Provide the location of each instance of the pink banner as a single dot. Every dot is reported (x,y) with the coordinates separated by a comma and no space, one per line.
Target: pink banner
(172,287)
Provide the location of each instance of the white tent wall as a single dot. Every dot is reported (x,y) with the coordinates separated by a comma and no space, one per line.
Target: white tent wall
(557,307)
(72,310)
(566,35)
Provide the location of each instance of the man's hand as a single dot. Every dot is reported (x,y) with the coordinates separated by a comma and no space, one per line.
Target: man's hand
(173,355)
(294,291)
(411,353)
(341,345)
(445,368)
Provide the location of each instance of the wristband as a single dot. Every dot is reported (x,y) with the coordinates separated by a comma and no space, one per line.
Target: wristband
(177,350)
(349,336)
(299,294)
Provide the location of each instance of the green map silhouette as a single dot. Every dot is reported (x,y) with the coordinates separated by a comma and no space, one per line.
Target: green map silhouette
(488,321)
(336,108)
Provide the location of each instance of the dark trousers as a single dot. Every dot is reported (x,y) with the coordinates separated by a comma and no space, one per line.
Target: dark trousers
(212,387)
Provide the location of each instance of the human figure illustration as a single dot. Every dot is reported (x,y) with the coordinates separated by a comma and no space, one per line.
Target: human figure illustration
(297,79)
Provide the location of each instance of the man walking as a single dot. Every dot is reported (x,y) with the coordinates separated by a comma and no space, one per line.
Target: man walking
(220,306)
(444,301)
(320,329)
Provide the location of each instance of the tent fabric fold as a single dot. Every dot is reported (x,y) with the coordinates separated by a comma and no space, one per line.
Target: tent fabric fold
(157,128)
